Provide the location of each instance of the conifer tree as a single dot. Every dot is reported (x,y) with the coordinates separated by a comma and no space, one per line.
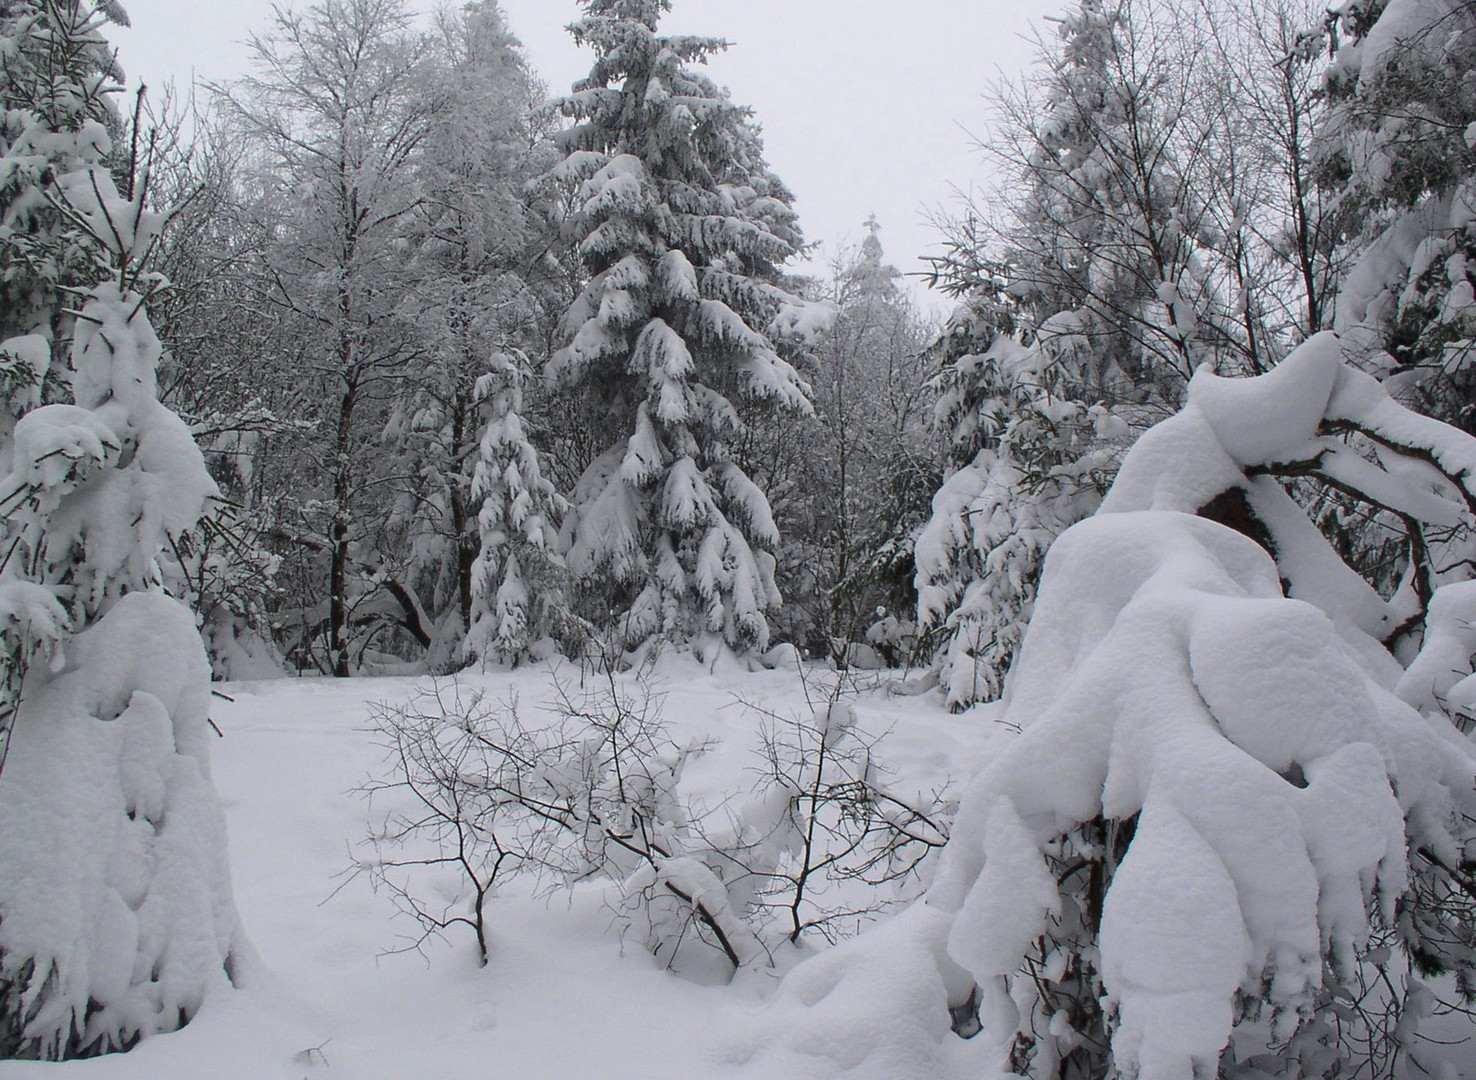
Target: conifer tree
(115,908)
(1096,240)
(56,79)
(1081,320)
(1397,153)
(1028,457)
(57,74)
(475,236)
(683,229)
(520,591)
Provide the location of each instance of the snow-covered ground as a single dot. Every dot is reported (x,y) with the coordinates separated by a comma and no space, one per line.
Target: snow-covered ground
(562,996)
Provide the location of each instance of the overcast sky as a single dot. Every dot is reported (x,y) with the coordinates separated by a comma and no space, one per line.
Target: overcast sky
(866,105)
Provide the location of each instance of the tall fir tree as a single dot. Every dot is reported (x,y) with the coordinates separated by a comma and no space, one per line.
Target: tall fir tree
(1096,236)
(474,235)
(1080,319)
(683,229)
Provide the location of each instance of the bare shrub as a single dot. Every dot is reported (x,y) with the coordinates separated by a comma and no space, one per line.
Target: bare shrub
(594,790)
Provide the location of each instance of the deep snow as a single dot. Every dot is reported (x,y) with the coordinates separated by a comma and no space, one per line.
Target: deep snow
(562,996)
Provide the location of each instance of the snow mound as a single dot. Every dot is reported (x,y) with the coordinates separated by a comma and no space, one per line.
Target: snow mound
(874,1006)
(114,878)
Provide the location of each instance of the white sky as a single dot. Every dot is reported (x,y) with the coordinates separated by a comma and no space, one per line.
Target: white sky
(865,104)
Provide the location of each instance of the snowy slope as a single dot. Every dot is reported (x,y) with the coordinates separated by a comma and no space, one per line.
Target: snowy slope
(560,998)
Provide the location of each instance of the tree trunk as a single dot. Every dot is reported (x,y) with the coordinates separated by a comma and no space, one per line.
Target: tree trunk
(338,566)
(461,520)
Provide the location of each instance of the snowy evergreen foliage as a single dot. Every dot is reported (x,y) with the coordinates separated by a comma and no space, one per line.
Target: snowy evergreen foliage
(683,229)
(473,233)
(115,908)
(1080,323)
(520,591)
(1393,159)
(1221,810)
(57,73)
(56,80)
(1398,153)
(1096,245)
(1218,847)
(1029,460)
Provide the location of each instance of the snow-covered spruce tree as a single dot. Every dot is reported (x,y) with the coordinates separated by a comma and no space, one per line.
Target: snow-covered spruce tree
(520,589)
(115,905)
(1090,253)
(1029,459)
(55,80)
(56,73)
(1397,153)
(682,228)
(55,92)
(1231,826)
(1099,222)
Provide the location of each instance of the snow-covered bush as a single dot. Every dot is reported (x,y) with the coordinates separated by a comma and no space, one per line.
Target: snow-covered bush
(1221,807)
(465,805)
(223,571)
(592,791)
(819,848)
(115,903)
(824,816)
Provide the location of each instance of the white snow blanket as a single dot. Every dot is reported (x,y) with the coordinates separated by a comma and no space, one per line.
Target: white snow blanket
(114,876)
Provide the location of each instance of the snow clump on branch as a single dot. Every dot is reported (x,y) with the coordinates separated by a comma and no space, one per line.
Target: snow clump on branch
(1219,789)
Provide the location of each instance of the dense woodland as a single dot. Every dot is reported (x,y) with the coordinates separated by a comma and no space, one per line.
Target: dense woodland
(389,359)
(419,314)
